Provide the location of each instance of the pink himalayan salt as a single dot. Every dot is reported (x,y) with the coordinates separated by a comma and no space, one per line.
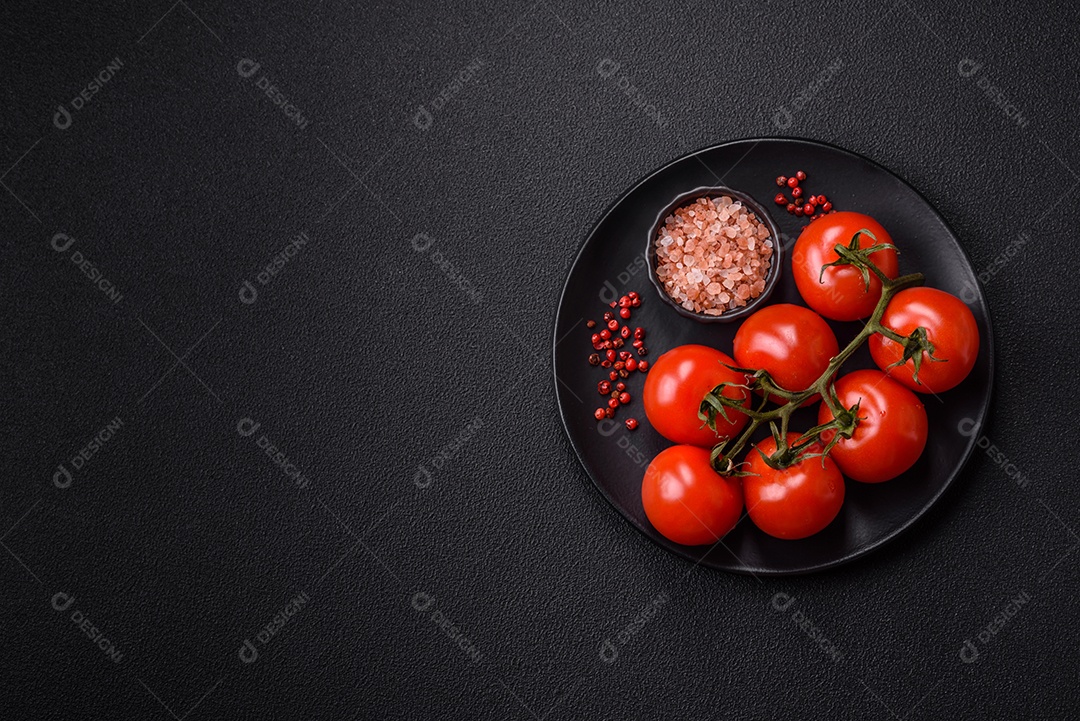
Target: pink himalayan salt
(713,255)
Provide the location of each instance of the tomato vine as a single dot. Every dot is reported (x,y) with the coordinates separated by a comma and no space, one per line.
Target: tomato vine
(845,420)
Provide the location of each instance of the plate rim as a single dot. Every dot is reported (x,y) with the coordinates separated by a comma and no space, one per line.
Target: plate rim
(848,557)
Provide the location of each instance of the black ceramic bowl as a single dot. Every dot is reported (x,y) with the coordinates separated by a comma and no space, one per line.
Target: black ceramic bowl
(776,263)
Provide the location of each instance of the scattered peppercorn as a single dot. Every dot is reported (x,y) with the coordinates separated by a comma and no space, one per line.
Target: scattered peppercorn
(631,424)
(818,204)
(609,341)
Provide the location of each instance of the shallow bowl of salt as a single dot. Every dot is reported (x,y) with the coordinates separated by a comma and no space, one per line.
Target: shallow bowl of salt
(714,254)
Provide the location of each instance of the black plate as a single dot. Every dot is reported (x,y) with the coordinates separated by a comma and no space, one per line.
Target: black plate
(611,262)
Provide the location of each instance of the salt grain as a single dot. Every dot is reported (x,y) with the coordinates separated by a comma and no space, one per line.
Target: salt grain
(713,255)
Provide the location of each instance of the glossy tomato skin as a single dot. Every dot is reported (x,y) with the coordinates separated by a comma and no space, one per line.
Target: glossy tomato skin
(841,293)
(674,387)
(950,326)
(794,344)
(686,500)
(892,429)
(795,502)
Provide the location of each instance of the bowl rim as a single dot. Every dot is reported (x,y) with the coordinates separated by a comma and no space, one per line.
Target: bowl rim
(775,267)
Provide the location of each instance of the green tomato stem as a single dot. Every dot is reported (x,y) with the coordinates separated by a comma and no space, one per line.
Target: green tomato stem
(843,422)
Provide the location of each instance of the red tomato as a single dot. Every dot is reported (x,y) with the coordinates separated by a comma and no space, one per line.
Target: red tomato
(674,387)
(797,501)
(794,344)
(891,432)
(949,325)
(840,293)
(686,500)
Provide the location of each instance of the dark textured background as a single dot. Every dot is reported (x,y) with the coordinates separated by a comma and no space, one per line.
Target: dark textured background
(362,360)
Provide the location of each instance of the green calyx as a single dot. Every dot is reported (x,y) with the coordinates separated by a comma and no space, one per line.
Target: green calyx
(915,345)
(854,255)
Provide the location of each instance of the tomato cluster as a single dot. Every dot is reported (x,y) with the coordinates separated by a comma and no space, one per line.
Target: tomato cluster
(872,425)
